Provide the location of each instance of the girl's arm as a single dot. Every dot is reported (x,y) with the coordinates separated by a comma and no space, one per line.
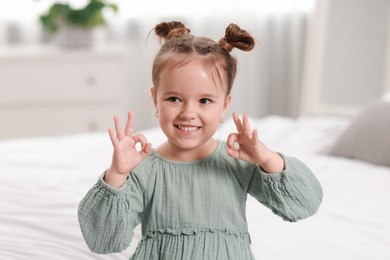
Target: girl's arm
(284,184)
(112,208)
(108,215)
(293,194)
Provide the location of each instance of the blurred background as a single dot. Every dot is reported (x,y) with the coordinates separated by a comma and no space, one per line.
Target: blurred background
(312,56)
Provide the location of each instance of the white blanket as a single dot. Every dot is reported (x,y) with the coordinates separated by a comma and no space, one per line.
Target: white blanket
(42,181)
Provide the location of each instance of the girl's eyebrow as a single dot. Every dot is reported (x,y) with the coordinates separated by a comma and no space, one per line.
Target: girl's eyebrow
(177,93)
(171,93)
(208,95)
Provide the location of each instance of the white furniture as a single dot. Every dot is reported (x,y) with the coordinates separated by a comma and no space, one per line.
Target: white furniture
(49,91)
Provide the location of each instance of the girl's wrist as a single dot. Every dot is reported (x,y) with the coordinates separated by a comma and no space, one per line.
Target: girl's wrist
(273,164)
(114,179)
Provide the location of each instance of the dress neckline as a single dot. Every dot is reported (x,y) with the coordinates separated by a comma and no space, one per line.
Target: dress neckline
(207,158)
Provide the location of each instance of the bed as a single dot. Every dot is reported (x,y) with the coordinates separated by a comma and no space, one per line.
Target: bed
(43,179)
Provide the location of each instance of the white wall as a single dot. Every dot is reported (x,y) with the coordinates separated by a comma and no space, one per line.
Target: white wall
(348,55)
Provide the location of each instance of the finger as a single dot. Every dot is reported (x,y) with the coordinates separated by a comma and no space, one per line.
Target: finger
(146,147)
(113,138)
(147,150)
(237,122)
(233,153)
(246,126)
(255,135)
(118,128)
(140,138)
(130,123)
(232,141)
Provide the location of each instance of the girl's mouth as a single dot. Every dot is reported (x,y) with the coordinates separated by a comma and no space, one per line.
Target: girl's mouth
(187,128)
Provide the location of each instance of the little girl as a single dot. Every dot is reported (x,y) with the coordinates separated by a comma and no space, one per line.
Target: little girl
(189,193)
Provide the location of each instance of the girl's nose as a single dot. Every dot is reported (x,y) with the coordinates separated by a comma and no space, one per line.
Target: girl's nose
(188,112)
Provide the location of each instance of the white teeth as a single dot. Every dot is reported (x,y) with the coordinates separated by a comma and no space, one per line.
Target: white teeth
(188,128)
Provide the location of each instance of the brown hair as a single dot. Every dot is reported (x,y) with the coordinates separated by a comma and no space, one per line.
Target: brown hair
(180,48)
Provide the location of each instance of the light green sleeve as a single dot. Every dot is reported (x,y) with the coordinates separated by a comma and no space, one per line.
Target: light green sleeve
(294,194)
(108,216)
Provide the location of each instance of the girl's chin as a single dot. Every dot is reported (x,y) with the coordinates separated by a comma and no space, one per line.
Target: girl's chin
(187,144)
(191,144)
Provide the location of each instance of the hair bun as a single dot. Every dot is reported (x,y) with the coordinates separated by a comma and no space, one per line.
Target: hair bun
(225,45)
(236,37)
(167,30)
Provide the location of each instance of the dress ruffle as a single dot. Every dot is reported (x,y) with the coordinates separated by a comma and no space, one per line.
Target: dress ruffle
(195,231)
(196,243)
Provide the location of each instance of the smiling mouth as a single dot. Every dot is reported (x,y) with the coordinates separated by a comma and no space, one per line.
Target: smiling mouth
(187,128)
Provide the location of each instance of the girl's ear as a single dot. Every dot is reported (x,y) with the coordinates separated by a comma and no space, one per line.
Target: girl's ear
(227,103)
(154,95)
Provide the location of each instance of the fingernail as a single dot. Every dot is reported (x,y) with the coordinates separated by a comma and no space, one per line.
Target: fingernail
(236,145)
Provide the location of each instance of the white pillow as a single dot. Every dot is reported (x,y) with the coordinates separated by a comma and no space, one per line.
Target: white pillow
(368,136)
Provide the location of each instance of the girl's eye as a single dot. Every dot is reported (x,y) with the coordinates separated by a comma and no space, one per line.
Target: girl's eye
(173,99)
(205,101)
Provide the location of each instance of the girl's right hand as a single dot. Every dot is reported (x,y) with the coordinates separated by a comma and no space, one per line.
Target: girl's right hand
(125,157)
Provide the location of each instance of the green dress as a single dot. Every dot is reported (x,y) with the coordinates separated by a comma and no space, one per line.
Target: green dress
(193,210)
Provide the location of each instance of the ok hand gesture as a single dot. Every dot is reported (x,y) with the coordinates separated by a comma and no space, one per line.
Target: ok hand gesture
(125,157)
(246,146)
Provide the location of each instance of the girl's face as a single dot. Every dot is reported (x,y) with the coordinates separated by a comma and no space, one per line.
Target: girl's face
(190,106)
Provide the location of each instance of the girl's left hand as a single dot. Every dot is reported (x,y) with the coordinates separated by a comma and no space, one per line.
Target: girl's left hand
(245,144)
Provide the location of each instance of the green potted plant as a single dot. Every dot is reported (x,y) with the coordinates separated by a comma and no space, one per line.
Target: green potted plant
(73,26)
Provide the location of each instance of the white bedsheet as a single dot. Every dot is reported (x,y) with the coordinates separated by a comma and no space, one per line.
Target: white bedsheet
(42,181)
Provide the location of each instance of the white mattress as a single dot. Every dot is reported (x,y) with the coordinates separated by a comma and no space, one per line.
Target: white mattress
(42,181)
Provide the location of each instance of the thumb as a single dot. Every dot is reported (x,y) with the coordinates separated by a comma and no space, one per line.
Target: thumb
(231,140)
(146,150)
(145,146)
(232,148)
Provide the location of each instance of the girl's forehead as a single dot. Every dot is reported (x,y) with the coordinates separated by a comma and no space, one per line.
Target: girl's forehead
(190,72)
